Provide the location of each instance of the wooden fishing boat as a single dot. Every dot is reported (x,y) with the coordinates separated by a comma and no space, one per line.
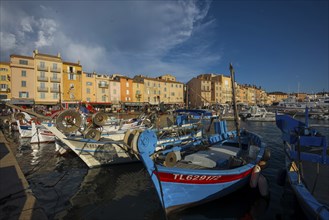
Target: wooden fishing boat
(96,149)
(307,164)
(194,171)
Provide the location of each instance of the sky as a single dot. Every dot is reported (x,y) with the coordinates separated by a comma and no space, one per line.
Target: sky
(278,45)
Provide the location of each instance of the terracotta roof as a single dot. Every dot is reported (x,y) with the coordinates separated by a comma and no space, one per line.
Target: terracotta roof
(47,55)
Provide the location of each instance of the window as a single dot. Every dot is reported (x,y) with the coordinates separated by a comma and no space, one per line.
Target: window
(89,83)
(137,85)
(3,69)
(165,89)
(71,69)
(23,83)
(103,98)
(23,94)
(23,73)
(88,99)
(103,90)
(42,95)
(154,92)
(55,66)
(23,62)
(54,75)
(172,94)
(3,87)
(3,78)
(88,91)
(55,85)
(42,64)
(114,91)
(55,95)
(114,84)
(172,85)
(127,84)
(71,76)
(42,85)
(72,96)
(89,75)
(127,92)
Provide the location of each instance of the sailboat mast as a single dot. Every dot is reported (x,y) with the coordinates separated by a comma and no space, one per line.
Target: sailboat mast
(235,109)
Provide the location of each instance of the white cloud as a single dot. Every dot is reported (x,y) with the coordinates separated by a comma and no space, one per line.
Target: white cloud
(8,41)
(27,24)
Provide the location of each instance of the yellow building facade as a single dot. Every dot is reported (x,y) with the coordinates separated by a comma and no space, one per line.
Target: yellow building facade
(48,78)
(88,87)
(72,82)
(102,90)
(23,83)
(161,89)
(5,78)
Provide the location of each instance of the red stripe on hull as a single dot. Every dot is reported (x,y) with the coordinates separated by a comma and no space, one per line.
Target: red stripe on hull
(200,179)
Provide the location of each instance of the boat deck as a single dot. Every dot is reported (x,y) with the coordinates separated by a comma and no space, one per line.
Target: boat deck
(320,180)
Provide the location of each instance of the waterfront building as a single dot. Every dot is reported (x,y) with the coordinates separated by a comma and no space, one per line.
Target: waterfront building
(164,89)
(72,82)
(23,83)
(115,91)
(5,78)
(88,90)
(126,89)
(199,92)
(209,89)
(102,91)
(276,97)
(48,78)
(138,92)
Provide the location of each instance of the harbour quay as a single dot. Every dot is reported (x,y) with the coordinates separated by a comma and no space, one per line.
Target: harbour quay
(16,198)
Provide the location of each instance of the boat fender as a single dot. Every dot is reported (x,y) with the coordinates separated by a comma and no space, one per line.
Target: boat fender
(172,158)
(281,177)
(267,154)
(263,186)
(255,176)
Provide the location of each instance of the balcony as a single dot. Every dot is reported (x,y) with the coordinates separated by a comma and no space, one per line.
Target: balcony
(43,78)
(55,70)
(3,89)
(42,68)
(42,89)
(54,90)
(103,85)
(52,79)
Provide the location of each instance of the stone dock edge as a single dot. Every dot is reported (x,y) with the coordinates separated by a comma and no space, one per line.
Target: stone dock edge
(16,198)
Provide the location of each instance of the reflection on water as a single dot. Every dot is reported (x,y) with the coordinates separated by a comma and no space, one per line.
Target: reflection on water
(67,189)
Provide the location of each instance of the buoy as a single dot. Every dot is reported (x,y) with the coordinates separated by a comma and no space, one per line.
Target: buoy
(281,177)
(263,186)
(255,176)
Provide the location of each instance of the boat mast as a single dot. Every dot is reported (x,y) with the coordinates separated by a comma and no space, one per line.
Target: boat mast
(236,117)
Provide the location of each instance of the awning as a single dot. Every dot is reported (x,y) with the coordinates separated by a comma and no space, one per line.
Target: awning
(135,103)
(22,101)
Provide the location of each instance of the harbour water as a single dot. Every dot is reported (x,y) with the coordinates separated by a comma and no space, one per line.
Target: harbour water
(67,189)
